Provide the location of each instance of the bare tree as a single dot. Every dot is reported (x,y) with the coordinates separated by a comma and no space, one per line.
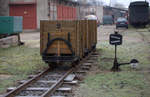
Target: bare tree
(4,7)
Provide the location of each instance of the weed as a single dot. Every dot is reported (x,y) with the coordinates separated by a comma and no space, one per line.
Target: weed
(18,63)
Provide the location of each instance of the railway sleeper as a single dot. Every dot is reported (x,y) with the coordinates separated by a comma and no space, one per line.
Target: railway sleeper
(27,96)
(69,78)
(93,55)
(37,96)
(63,89)
(32,76)
(40,81)
(90,61)
(81,71)
(53,81)
(87,64)
(85,68)
(72,82)
(93,58)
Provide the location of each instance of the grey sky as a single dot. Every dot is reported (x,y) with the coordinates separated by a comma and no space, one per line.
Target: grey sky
(125,2)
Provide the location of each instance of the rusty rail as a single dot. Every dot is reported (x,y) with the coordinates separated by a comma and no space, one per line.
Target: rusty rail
(56,85)
(51,90)
(14,92)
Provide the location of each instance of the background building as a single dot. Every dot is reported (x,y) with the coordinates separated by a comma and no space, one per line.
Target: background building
(115,12)
(4,8)
(35,10)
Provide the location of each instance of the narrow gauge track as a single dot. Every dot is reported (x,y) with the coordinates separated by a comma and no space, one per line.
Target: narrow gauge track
(48,82)
(42,85)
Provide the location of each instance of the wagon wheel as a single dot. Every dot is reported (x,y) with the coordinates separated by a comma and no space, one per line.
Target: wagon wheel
(75,63)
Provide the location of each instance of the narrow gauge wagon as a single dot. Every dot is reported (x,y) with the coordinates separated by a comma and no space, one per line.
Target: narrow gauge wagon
(67,41)
(139,13)
(10,25)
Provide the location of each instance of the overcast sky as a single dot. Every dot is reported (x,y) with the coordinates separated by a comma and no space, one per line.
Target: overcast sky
(125,2)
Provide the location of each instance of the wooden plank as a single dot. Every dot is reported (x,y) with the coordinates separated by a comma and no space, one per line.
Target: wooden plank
(83,35)
(50,27)
(75,45)
(81,40)
(78,39)
(41,37)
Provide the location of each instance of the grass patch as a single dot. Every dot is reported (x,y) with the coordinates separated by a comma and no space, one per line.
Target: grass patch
(131,49)
(122,84)
(128,82)
(18,63)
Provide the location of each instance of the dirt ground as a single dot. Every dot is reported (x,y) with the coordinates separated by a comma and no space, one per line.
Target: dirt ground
(104,31)
(31,39)
(30,36)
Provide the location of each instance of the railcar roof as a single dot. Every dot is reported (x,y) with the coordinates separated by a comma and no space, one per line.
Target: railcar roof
(139,3)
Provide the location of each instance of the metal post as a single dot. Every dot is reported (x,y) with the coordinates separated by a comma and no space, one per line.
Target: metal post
(19,40)
(116,65)
(115,51)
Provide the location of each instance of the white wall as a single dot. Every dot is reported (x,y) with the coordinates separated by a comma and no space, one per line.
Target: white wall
(4,8)
(42,11)
(99,13)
